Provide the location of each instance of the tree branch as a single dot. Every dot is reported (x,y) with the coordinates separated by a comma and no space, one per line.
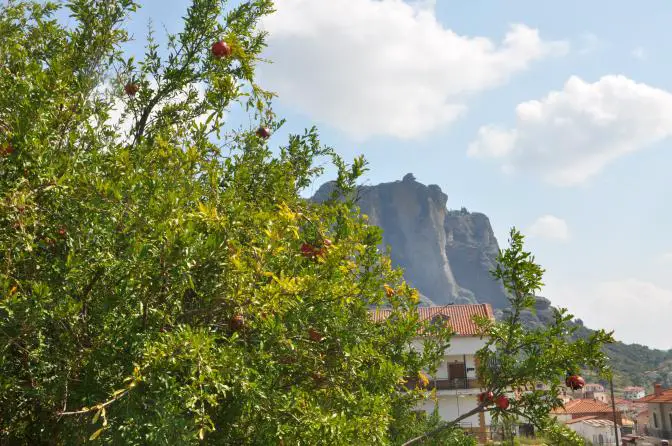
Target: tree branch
(478,409)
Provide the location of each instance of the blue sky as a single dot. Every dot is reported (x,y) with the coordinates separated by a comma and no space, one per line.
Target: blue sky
(555,117)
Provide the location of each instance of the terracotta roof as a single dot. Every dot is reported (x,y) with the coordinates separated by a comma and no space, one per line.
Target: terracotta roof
(578,420)
(583,406)
(633,389)
(459,317)
(593,421)
(664,397)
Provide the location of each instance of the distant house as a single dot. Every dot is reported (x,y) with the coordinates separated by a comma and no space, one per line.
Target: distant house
(660,412)
(595,430)
(590,391)
(583,408)
(456,382)
(633,393)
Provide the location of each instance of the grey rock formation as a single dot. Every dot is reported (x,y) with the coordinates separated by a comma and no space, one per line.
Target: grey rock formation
(446,255)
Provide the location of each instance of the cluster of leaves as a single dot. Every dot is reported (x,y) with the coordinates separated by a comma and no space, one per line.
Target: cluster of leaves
(516,359)
(152,285)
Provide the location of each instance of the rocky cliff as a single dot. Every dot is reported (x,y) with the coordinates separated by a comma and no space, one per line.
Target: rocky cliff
(447,255)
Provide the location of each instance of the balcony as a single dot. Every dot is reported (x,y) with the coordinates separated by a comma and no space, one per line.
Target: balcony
(455,383)
(447,383)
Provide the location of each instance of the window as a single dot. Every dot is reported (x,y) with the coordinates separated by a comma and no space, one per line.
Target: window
(655,420)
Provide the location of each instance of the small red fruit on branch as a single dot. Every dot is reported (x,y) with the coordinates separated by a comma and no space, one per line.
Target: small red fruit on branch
(502,402)
(314,335)
(237,322)
(307,250)
(575,382)
(6,150)
(263,132)
(220,49)
(62,232)
(131,88)
(486,398)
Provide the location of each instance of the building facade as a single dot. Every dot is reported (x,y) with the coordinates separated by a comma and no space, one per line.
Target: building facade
(633,393)
(660,412)
(456,380)
(597,431)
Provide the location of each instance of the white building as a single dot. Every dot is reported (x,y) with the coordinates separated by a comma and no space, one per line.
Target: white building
(597,431)
(633,393)
(456,382)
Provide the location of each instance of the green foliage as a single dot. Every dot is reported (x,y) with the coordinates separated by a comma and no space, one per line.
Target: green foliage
(516,358)
(154,288)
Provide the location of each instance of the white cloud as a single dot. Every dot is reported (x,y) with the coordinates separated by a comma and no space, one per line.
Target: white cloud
(549,227)
(372,67)
(571,135)
(638,53)
(638,311)
(666,256)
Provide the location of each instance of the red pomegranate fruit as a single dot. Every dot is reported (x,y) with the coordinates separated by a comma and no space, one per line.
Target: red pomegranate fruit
(575,382)
(237,322)
(263,132)
(6,150)
(307,250)
(314,335)
(220,49)
(131,88)
(502,402)
(486,398)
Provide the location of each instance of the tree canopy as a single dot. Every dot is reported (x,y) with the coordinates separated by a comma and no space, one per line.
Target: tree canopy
(162,281)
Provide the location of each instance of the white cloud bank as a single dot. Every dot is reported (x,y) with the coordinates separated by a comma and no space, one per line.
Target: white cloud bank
(385,67)
(571,135)
(549,227)
(637,310)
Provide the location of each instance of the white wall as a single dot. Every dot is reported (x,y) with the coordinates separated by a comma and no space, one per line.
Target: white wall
(459,348)
(591,433)
(459,345)
(451,406)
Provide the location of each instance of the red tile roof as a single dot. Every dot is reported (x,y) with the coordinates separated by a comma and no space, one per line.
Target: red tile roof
(579,419)
(583,406)
(664,397)
(459,317)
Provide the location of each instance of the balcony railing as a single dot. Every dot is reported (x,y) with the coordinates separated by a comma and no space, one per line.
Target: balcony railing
(447,383)
(456,383)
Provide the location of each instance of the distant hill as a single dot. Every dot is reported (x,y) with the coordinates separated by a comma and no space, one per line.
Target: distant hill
(448,255)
